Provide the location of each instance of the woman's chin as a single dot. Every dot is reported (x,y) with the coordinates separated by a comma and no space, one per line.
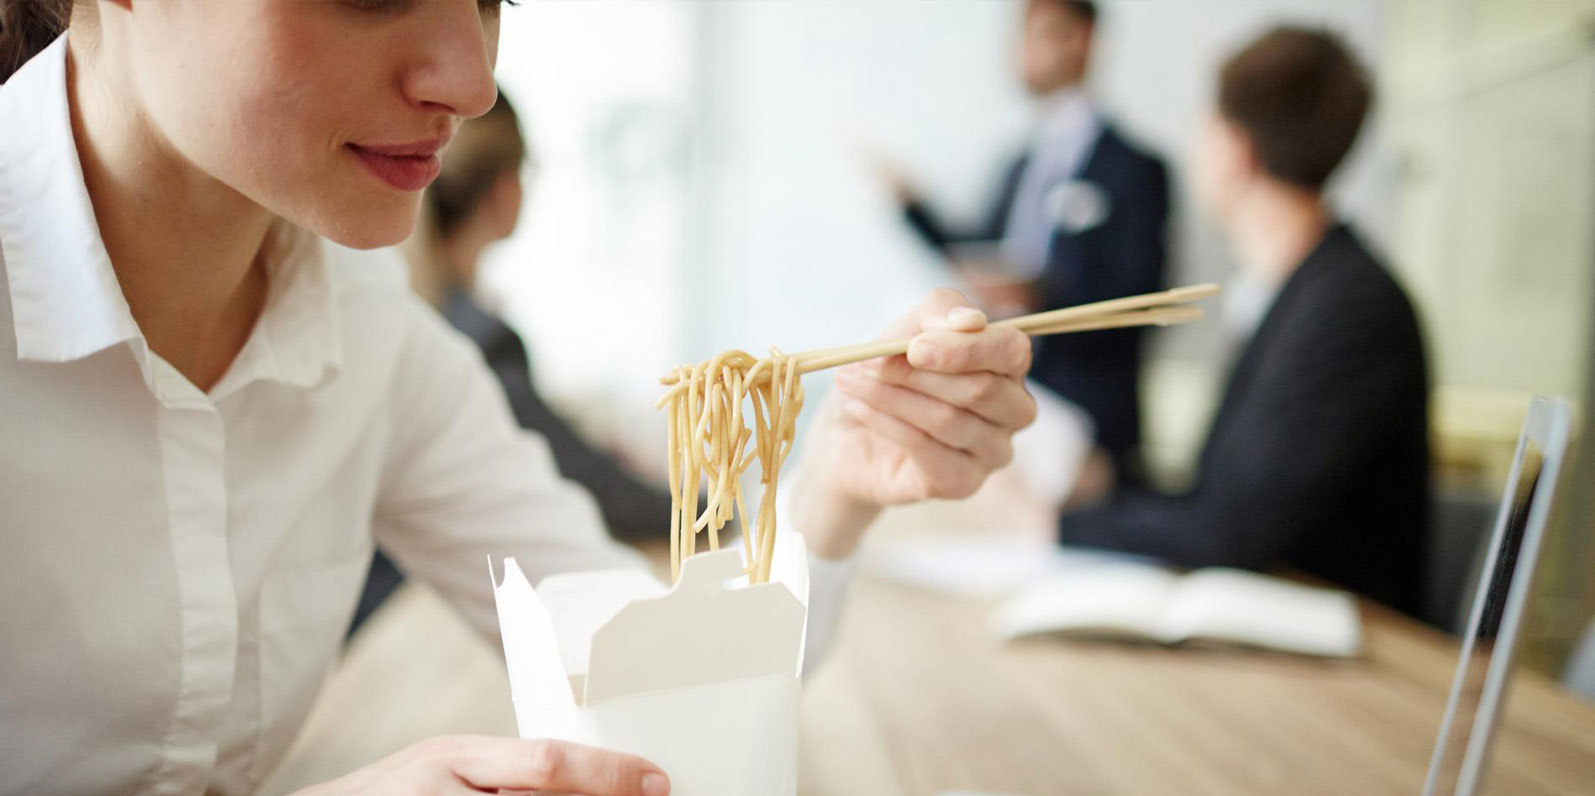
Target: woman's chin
(369,230)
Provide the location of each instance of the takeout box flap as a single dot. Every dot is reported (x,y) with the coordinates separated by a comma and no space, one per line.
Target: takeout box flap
(531,647)
(579,603)
(704,630)
(613,633)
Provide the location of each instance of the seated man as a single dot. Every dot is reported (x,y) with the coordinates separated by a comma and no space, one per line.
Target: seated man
(1318,459)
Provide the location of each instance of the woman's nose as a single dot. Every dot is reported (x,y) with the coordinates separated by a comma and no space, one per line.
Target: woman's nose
(454,73)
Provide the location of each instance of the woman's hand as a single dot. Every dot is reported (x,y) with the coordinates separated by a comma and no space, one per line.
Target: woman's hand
(478,764)
(930,424)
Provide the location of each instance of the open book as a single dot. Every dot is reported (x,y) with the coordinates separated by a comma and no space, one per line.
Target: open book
(1144,602)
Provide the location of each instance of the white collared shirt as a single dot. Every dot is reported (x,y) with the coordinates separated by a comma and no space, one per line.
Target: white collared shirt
(179,567)
(1248,297)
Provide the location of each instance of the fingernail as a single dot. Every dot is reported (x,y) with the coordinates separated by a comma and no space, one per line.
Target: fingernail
(655,785)
(961,317)
(854,407)
(924,352)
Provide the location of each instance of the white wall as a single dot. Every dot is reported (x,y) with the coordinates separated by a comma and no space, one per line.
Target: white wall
(1492,104)
(809,246)
(593,275)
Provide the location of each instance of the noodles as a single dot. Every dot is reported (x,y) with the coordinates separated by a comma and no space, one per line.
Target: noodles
(709,445)
(710,436)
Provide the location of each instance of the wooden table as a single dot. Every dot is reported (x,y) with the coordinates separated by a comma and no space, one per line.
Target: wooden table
(917,699)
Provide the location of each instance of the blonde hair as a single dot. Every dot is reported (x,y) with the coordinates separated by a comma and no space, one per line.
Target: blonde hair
(484,149)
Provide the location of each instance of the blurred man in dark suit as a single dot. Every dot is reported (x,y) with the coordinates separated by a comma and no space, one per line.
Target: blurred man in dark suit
(1080,217)
(1318,459)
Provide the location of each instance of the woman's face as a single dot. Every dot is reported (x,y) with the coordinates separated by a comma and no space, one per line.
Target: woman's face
(327,113)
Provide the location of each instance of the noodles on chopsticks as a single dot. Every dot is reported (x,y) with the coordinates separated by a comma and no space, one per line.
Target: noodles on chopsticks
(710,435)
(712,443)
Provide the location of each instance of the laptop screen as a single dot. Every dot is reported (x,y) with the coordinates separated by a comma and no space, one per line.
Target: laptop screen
(1475,662)
(1461,753)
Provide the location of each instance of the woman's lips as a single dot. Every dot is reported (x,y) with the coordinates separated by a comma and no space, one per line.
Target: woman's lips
(408,167)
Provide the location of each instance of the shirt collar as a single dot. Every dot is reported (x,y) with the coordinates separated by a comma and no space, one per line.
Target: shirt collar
(1247,299)
(1066,113)
(298,337)
(65,298)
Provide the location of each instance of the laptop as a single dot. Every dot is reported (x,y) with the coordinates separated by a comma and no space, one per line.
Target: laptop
(1462,750)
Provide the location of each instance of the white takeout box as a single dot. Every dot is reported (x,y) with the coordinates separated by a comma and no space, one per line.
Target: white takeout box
(702,679)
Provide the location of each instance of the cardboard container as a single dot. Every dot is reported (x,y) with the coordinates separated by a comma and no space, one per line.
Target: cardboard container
(702,679)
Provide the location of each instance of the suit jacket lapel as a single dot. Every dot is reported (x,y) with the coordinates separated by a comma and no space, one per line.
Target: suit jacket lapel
(1010,189)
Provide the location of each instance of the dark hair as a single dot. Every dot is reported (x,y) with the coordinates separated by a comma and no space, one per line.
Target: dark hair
(483,149)
(1301,96)
(1083,10)
(26,27)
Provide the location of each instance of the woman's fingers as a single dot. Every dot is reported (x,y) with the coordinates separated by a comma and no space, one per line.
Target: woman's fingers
(997,349)
(940,420)
(950,405)
(951,336)
(942,308)
(947,472)
(945,308)
(548,765)
(1001,400)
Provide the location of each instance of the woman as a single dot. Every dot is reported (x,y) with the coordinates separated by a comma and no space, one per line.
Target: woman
(217,393)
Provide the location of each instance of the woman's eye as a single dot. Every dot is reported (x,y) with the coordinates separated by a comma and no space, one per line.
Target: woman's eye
(377,5)
(489,6)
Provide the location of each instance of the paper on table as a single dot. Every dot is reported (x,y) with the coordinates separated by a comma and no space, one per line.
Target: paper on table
(977,565)
(1217,604)
(1104,600)
(1248,608)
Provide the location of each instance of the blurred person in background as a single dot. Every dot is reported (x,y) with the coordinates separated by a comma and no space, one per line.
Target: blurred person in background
(1318,458)
(1080,217)
(475,202)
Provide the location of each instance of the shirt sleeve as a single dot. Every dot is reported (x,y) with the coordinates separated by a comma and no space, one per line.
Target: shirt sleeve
(829,581)
(463,483)
(631,507)
(828,585)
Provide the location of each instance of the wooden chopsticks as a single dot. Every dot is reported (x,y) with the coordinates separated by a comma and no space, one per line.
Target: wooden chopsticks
(1150,309)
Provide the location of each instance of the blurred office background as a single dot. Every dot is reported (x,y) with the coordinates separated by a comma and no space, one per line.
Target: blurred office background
(699,185)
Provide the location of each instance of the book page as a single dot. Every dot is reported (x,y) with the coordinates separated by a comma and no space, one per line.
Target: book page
(1126,600)
(1247,608)
(977,566)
